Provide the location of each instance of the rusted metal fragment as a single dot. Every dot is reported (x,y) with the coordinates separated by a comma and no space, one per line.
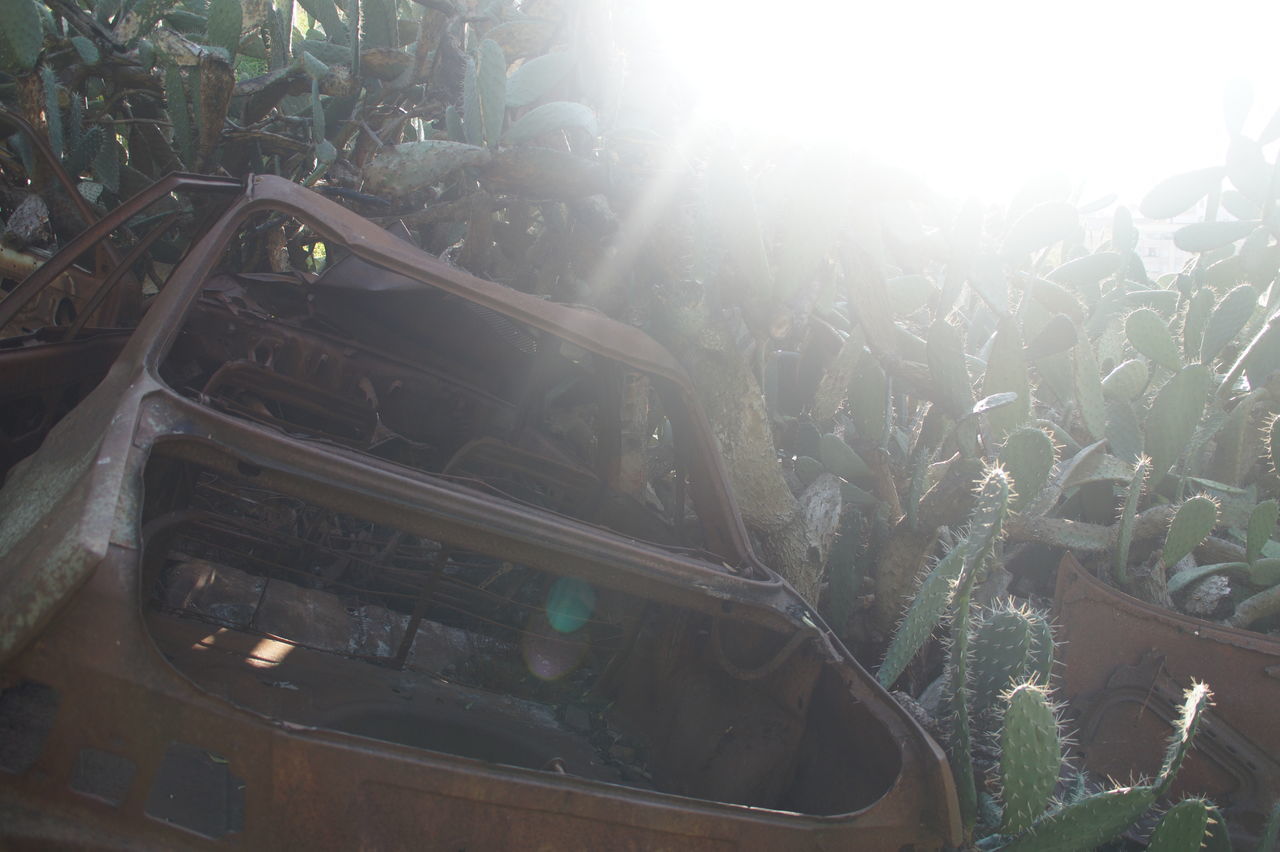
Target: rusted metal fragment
(1125,664)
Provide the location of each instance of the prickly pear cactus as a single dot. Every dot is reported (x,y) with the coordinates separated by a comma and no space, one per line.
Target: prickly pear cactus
(1193,522)
(1028,456)
(1030,756)
(1173,417)
(1182,828)
(927,608)
(986,527)
(1124,537)
(1085,824)
(1149,334)
(1008,646)
(1126,381)
(1197,699)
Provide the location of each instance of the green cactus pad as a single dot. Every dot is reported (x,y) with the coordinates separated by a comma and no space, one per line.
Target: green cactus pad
(1056,298)
(1237,445)
(1001,654)
(808,469)
(1207,236)
(22,32)
(1055,335)
(1084,273)
(1126,381)
(1264,572)
(1149,334)
(1179,193)
(1226,321)
(1262,357)
(1193,522)
(985,528)
(1182,828)
(1196,700)
(1088,391)
(1174,415)
(1271,833)
(1124,236)
(867,398)
(1030,756)
(225,23)
(1189,576)
(945,352)
(1261,524)
(1216,837)
(1124,535)
(1042,647)
(1124,432)
(1007,372)
(927,607)
(1085,824)
(1028,456)
(1199,307)
(1163,302)
(840,459)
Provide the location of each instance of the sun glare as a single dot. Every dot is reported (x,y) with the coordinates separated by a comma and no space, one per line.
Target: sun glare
(976,98)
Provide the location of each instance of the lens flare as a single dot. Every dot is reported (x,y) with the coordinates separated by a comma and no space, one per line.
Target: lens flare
(570,604)
(549,651)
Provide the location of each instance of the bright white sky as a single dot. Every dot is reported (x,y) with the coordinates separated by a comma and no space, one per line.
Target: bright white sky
(976,97)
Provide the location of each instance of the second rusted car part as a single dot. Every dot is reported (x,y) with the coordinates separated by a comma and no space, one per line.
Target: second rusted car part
(1126,663)
(390,556)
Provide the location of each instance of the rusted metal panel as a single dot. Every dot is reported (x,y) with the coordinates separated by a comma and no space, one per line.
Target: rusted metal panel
(1126,663)
(231,591)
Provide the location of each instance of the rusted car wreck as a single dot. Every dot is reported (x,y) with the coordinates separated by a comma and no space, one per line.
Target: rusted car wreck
(352,549)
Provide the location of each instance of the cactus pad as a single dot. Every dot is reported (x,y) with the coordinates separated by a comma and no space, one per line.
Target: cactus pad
(839,458)
(1126,381)
(1182,827)
(1030,756)
(1193,522)
(1173,417)
(1028,456)
(1150,335)
(926,611)
(1085,824)
(1226,321)
(1088,390)
(1007,372)
(1261,524)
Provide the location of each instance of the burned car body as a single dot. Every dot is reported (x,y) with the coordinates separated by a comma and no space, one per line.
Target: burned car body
(351,548)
